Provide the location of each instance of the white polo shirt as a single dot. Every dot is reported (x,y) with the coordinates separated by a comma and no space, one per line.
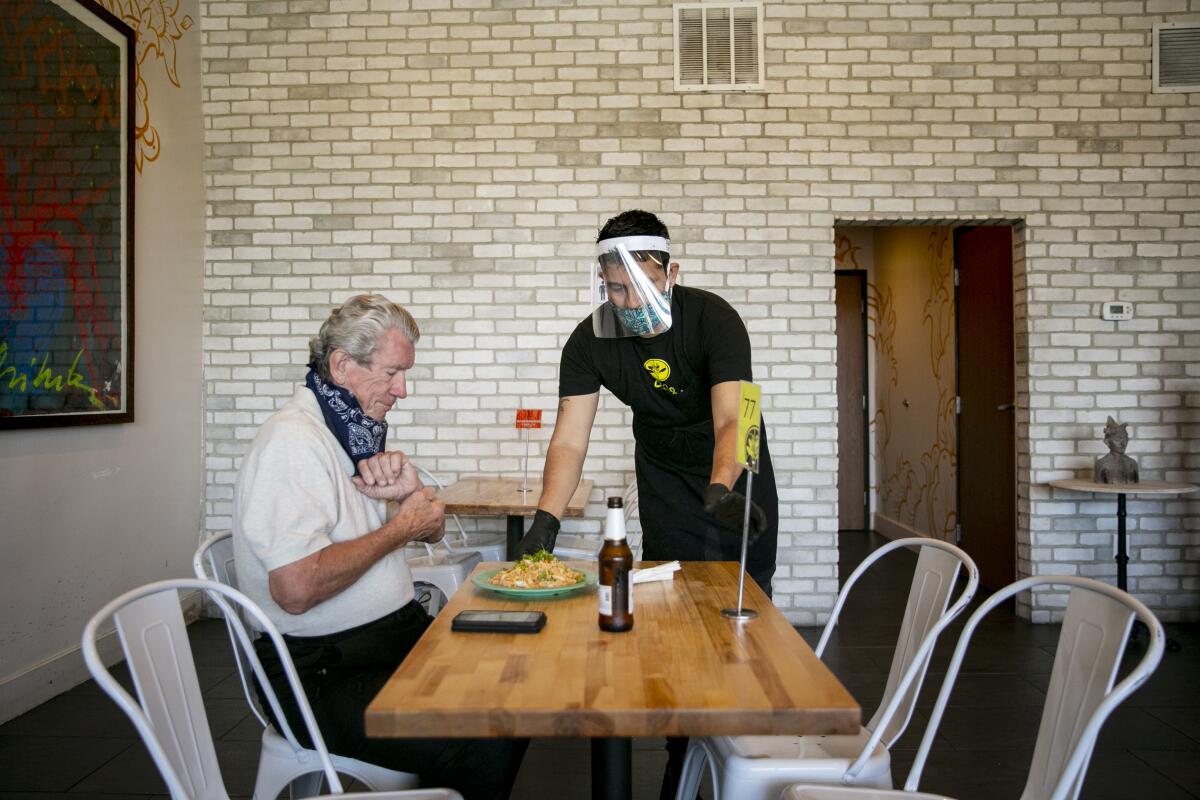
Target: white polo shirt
(294,497)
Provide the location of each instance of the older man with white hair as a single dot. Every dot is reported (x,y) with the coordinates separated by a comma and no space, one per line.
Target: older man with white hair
(316,549)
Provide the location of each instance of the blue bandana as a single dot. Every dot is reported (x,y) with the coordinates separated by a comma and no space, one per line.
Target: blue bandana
(359,435)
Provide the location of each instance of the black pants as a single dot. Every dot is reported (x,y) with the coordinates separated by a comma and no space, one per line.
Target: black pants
(342,672)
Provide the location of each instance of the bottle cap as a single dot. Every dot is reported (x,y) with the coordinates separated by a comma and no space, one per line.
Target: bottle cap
(616,502)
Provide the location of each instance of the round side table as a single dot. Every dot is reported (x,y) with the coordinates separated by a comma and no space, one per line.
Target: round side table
(1121,490)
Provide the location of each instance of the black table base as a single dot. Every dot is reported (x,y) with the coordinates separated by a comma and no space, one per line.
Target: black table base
(516,532)
(1122,570)
(612,768)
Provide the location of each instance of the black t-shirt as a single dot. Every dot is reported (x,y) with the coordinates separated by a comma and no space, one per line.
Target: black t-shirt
(665,379)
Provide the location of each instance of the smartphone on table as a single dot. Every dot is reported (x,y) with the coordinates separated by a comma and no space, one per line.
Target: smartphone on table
(498,621)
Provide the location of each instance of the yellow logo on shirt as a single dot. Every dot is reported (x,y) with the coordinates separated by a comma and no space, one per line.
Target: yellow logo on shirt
(660,371)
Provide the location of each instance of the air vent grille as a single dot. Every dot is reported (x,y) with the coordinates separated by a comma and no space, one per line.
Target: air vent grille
(1177,58)
(718,46)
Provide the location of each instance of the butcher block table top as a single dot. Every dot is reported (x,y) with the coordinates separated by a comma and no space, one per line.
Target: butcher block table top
(683,670)
(478,496)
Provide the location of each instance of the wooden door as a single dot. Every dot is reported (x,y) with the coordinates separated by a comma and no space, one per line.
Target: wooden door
(851,298)
(987,478)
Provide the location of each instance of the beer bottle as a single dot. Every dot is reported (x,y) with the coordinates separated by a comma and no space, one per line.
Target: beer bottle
(616,561)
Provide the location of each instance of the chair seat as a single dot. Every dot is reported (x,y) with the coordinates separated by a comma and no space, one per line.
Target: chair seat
(489,547)
(801,792)
(770,763)
(412,794)
(579,548)
(446,570)
(451,560)
(793,748)
(281,764)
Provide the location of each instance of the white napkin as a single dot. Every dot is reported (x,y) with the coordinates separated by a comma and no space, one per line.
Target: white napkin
(663,572)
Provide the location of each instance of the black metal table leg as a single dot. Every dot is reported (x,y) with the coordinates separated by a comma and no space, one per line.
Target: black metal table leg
(1122,555)
(516,531)
(612,768)
(1122,572)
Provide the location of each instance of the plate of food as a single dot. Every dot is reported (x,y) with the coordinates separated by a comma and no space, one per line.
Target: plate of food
(537,575)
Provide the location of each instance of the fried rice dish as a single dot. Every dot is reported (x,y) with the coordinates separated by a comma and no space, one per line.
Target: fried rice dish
(538,571)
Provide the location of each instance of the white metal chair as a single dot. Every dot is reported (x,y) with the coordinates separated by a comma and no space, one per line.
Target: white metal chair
(585,548)
(1079,699)
(491,547)
(443,569)
(282,760)
(762,766)
(169,711)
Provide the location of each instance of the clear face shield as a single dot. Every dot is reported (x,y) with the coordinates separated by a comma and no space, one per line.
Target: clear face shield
(631,291)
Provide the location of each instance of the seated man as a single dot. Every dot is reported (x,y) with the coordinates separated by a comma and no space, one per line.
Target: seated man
(315,548)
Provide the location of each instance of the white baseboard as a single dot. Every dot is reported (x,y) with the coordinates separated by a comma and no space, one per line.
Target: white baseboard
(895,530)
(33,685)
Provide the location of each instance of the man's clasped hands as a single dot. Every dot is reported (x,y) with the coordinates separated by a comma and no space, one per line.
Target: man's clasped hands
(391,475)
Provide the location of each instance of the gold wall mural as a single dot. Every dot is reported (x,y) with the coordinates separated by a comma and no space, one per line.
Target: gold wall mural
(158,27)
(910,308)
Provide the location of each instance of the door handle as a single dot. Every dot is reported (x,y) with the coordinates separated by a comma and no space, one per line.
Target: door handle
(1006,407)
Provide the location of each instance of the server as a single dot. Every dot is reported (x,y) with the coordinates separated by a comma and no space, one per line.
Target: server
(674,355)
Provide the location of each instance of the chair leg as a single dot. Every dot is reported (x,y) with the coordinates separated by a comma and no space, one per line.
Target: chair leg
(693,771)
(435,600)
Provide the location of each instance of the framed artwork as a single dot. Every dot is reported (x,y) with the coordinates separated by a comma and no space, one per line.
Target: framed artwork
(67,133)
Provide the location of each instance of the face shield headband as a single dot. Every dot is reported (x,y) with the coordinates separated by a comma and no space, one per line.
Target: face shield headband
(626,297)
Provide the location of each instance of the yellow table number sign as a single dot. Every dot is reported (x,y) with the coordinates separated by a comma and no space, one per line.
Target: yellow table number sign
(749,418)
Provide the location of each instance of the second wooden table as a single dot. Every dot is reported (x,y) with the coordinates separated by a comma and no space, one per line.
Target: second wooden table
(491,497)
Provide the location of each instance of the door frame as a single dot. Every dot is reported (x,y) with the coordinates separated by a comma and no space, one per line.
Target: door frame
(1021,332)
(866,384)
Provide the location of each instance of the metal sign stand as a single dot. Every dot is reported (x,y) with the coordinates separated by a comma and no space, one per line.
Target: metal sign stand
(525,477)
(742,613)
(749,422)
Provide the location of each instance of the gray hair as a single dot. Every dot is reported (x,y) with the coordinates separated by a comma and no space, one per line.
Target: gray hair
(356,327)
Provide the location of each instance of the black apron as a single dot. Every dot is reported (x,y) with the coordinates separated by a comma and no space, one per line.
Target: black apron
(674,465)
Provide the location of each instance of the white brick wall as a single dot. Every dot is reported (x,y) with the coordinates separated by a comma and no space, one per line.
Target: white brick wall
(459,155)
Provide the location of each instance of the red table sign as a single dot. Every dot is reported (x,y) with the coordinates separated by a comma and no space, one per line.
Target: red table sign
(529,418)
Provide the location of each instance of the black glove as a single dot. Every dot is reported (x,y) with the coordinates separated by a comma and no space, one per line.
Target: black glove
(541,535)
(728,508)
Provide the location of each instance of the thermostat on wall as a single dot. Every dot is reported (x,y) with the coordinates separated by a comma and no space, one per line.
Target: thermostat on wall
(1117,311)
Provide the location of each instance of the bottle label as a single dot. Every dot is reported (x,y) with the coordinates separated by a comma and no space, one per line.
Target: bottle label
(605,594)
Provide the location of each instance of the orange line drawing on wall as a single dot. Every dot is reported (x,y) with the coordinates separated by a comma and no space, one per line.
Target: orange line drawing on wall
(158,27)
(881,312)
(939,316)
(845,252)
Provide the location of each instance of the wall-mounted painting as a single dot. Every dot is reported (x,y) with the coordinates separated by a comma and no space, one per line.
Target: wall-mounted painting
(66,215)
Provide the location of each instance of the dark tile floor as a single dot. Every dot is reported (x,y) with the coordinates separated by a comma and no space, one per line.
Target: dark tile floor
(79,745)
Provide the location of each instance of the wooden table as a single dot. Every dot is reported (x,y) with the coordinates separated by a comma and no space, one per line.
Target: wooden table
(1121,490)
(492,497)
(684,670)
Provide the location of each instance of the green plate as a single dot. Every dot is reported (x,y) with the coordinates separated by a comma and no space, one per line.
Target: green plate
(481,580)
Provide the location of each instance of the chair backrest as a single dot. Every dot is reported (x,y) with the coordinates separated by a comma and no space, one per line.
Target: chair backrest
(925,616)
(1081,694)
(169,713)
(214,561)
(462,533)
(933,580)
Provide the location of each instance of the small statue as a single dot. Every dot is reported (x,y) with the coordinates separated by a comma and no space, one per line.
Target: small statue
(1116,467)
